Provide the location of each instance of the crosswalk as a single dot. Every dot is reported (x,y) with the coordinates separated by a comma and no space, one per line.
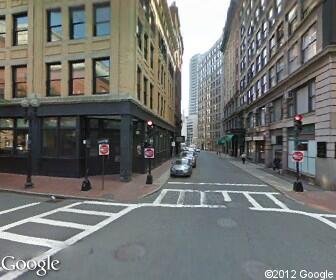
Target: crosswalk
(54,246)
(255,199)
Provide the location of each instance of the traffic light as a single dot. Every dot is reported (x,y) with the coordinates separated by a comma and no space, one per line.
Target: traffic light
(150,127)
(298,123)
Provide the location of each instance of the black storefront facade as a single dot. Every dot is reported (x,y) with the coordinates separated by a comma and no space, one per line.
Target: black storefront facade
(58,131)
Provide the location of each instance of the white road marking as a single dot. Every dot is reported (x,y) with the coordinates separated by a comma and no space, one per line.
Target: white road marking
(92,202)
(180,199)
(31,240)
(19,208)
(160,197)
(87,212)
(226,196)
(202,198)
(60,223)
(252,200)
(217,184)
(277,201)
(14,274)
(166,205)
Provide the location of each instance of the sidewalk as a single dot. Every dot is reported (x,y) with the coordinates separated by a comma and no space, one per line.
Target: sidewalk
(312,196)
(71,187)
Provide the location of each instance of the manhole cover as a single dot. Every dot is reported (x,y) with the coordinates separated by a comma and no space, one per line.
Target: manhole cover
(130,252)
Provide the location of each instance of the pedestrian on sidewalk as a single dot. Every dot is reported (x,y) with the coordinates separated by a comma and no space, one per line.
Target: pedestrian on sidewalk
(243,157)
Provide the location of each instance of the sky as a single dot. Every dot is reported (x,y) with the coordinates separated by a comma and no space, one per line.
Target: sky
(202,23)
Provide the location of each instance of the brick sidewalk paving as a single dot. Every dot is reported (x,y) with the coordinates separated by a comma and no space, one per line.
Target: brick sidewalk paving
(71,187)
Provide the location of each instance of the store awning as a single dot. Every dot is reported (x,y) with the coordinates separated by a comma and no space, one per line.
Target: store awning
(221,141)
(229,138)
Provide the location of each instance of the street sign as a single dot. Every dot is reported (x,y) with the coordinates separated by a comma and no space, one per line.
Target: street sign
(149,152)
(104,149)
(298,156)
(173,144)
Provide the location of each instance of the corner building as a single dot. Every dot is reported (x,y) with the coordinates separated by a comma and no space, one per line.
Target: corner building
(99,70)
(287,63)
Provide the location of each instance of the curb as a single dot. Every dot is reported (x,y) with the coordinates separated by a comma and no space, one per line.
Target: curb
(162,180)
(61,196)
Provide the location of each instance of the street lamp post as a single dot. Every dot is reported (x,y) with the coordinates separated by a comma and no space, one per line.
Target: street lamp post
(30,106)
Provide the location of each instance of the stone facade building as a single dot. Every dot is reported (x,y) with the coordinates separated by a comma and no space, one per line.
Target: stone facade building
(210,97)
(287,64)
(97,69)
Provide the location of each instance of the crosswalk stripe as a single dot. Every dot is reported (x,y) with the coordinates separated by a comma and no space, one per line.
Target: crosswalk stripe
(202,198)
(252,200)
(180,199)
(106,203)
(160,197)
(87,212)
(276,201)
(217,184)
(226,196)
(19,208)
(31,240)
(60,223)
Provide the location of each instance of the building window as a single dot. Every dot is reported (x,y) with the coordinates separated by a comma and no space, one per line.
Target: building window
(272,77)
(271,17)
(54,73)
(259,64)
(263,4)
(264,86)
(139,34)
(139,83)
(257,14)
(145,52)
(151,56)
(265,29)
(2,83)
(59,137)
(258,39)
(20,29)
(290,107)
(250,120)
(77,22)
(54,25)
(101,76)
(280,67)
(19,81)
(280,35)
(312,97)
(293,58)
(13,136)
(258,89)
(279,6)
(277,110)
(264,57)
(272,46)
(151,89)
(102,17)
(305,98)
(292,20)
(307,6)
(145,85)
(2,31)
(309,44)
(77,77)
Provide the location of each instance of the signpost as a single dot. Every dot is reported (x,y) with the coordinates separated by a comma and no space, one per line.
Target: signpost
(149,154)
(104,151)
(297,156)
(86,185)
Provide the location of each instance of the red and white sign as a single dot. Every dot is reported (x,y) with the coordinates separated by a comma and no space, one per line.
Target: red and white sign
(104,149)
(298,156)
(149,152)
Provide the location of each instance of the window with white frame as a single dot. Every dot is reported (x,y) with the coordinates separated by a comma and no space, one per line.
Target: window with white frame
(309,44)
(272,77)
(280,67)
(271,17)
(264,84)
(265,29)
(292,20)
(264,57)
(279,6)
(258,38)
(293,57)
(280,35)
(272,45)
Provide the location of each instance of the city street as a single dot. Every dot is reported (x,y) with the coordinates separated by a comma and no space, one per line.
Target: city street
(221,223)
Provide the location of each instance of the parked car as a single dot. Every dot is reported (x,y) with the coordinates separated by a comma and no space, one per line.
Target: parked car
(181,167)
(189,155)
(198,150)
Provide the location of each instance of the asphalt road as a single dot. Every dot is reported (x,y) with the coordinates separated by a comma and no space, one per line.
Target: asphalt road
(221,223)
